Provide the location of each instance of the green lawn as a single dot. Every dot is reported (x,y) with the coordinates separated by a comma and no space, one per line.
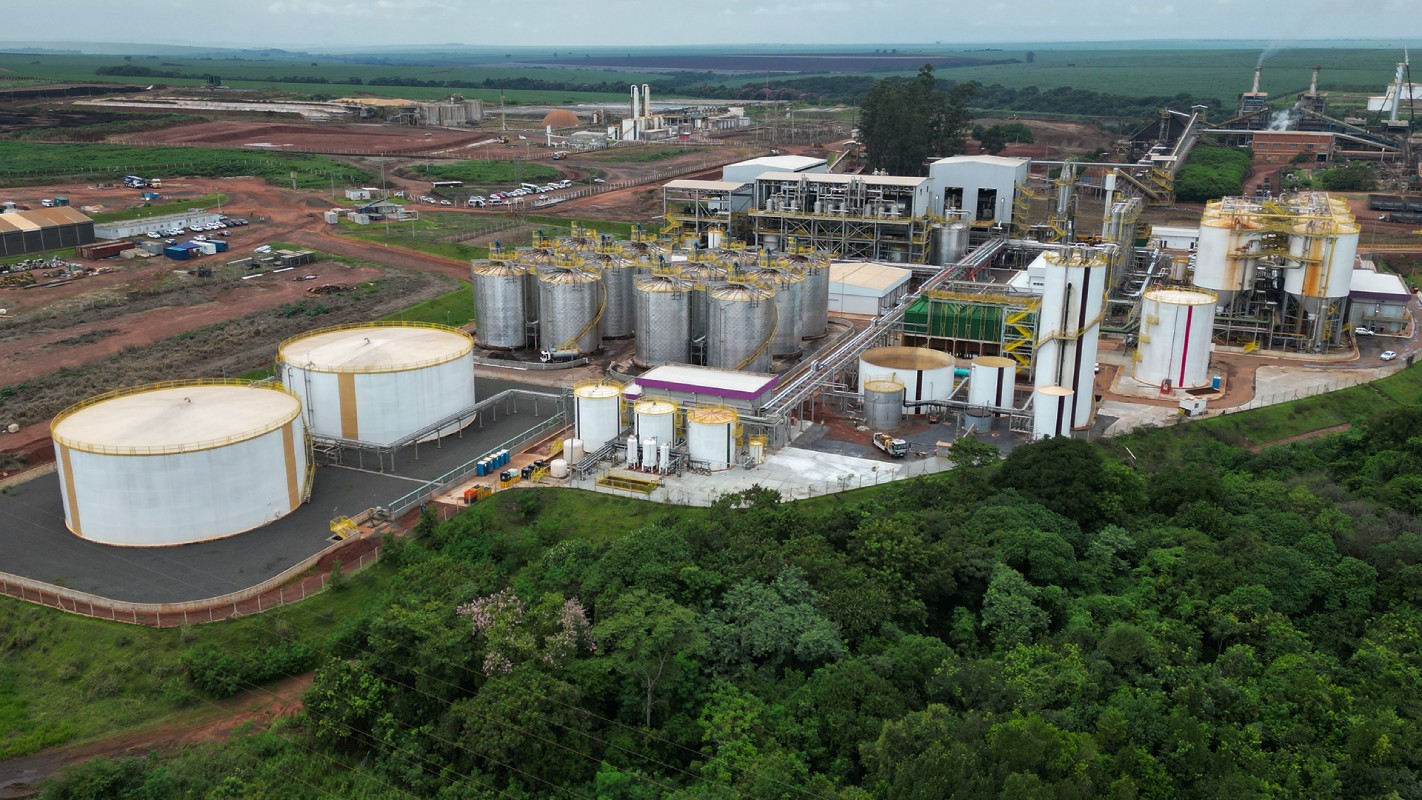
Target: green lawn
(67,678)
(658,154)
(453,308)
(161,208)
(30,163)
(490,175)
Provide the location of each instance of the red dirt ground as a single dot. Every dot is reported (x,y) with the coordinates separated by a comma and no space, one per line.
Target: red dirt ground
(332,137)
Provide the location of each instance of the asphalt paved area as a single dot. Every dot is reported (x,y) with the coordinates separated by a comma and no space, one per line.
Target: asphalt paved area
(35,544)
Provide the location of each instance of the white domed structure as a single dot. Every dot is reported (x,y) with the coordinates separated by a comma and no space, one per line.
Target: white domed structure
(176,463)
(380,382)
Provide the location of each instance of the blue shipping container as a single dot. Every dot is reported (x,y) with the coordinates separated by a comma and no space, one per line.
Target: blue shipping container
(177,253)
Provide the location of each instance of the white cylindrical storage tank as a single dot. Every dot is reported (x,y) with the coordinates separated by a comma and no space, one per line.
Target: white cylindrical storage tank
(501,294)
(756,446)
(664,457)
(742,327)
(632,451)
(558,468)
(1051,411)
(1069,326)
(176,463)
(1324,251)
(655,419)
(597,413)
(926,374)
(991,380)
(883,404)
(380,382)
(711,437)
(714,235)
(1175,338)
(575,450)
(1227,253)
(649,454)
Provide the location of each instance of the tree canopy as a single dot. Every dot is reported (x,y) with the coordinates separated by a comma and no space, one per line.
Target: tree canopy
(904,123)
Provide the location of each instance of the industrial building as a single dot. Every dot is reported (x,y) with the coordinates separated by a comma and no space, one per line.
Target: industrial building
(979,188)
(859,287)
(175,463)
(126,229)
(1378,301)
(24,232)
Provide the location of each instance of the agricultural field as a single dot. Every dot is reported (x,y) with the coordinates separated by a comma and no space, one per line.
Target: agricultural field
(23,163)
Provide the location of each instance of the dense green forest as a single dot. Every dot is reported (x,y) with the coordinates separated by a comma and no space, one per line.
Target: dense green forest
(1211,173)
(1069,622)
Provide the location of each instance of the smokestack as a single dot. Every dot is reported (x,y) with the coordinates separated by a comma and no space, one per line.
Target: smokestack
(1258,68)
(636,102)
(646,100)
(1313,84)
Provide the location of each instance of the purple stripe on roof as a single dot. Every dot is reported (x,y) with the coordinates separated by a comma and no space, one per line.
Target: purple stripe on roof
(713,391)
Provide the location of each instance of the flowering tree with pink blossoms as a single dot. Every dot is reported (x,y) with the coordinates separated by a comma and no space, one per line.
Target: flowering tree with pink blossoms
(549,632)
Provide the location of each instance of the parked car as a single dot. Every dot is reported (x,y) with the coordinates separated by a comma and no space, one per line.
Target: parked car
(1388,355)
(1362,331)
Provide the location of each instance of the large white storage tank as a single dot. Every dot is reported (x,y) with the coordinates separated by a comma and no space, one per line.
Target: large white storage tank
(991,380)
(380,382)
(1227,255)
(1051,411)
(1069,327)
(1322,253)
(597,413)
(926,374)
(711,438)
(655,419)
(1175,337)
(176,463)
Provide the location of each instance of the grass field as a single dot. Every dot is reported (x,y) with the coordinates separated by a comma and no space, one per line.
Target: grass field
(24,163)
(454,308)
(426,234)
(644,156)
(68,678)
(482,175)
(159,209)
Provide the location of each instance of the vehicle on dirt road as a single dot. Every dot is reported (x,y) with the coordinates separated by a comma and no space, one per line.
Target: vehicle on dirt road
(897,448)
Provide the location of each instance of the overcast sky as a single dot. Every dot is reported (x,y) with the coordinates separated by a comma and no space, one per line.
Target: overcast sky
(568,23)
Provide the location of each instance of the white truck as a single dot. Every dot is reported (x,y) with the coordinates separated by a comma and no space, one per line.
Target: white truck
(897,448)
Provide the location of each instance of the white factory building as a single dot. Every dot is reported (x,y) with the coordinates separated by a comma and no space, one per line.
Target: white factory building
(866,288)
(750,169)
(1378,300)
(982,188)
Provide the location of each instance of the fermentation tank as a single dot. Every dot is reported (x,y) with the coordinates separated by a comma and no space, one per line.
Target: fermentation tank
(742,326)
(711,438)
(926,374)
(1226,257)
(990,382)
(619,315)
(703,279)
(380,382)
(787,286)
(883,404)
(503,295)
(814,296)
(1175,337)
(1051,411)
(663,320)
(176,463)
(655,419)
(951,242)
(1321,257)
(597,413)
(570,303)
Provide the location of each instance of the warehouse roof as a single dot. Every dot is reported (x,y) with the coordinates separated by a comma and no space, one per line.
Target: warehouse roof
(782,163)
(705,186)
(876,278)
(1369,284)
(42,218)
(834,177)
(707,381)
(1001,161)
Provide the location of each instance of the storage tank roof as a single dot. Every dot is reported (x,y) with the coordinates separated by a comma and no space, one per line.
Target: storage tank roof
(994,362)
(711,416)
(170,418)
(374,347)
(594,391)
(907,358)
(1182,297)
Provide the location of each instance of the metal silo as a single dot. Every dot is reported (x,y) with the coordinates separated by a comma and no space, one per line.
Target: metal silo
(703,278)
(814,297)
(788,287)
(663,320)
(883,404)
(570,301)
(742,327)
(619,314)
(501,295)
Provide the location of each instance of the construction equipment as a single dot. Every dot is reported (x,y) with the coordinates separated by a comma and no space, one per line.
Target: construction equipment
(897,448)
